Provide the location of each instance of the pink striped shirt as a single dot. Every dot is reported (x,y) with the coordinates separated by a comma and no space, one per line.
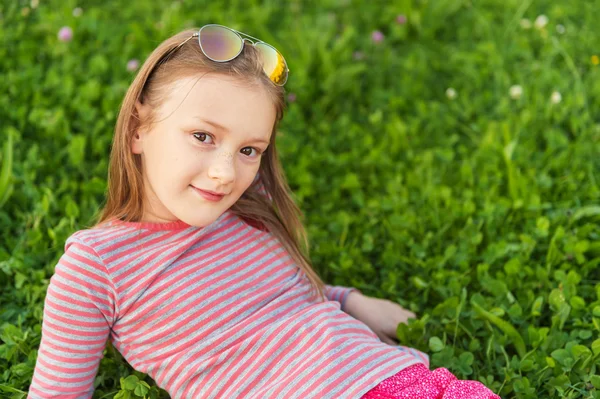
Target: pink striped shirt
(215,312)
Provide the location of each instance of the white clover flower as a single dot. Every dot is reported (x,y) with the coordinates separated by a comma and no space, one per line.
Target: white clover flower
(555,98)
(77,11)
(65,34)
(132,65)
(377,36)
(560,29)
(516,92)
(451,93)
(34,3)
(525,23)
(541,21)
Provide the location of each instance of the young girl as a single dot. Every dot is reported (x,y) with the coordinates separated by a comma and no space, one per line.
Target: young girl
(198,269)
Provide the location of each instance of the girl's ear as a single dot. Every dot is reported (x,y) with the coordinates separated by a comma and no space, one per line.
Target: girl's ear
(141,113)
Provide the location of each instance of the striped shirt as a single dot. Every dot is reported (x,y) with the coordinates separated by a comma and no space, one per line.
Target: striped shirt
(220,311)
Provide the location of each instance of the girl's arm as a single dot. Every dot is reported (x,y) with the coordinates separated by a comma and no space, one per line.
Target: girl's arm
(380,315)
(79,310)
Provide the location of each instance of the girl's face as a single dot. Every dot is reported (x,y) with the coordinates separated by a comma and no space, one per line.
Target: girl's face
(209,135)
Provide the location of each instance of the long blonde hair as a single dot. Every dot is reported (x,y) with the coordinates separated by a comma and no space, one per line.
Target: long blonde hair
(170,61)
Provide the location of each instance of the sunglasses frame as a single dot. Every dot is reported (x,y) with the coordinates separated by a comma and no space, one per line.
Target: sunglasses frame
(243,40)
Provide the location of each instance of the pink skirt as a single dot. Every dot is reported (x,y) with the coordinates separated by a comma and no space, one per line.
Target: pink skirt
(418,382)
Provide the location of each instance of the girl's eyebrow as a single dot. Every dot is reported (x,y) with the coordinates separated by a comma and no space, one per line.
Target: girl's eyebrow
(223,128)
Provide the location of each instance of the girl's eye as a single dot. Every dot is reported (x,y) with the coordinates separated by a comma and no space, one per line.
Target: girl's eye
(202,137)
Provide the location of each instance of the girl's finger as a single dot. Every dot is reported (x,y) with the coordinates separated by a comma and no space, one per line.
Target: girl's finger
(389,341)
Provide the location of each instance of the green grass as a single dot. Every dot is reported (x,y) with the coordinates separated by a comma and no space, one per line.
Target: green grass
(481,213)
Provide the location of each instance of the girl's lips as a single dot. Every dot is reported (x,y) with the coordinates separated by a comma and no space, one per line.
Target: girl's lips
(207,195)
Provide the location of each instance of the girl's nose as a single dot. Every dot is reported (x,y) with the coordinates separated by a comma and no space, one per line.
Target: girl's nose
(222,168)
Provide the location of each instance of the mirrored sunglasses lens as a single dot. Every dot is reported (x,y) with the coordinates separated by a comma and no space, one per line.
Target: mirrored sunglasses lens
(219,43)
(273,63)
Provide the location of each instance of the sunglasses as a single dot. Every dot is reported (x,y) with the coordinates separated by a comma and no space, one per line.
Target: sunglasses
(221,44)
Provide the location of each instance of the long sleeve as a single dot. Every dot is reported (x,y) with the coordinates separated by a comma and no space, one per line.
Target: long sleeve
(339,293)
(333,293)
(79,310)
(260,186)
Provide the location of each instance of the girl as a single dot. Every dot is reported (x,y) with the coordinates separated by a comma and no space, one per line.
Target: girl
(198,269)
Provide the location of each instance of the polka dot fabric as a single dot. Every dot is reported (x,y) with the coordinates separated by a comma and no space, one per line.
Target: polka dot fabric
(418,382)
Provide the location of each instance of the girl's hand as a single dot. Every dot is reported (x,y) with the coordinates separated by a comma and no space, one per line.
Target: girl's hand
(382,316)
